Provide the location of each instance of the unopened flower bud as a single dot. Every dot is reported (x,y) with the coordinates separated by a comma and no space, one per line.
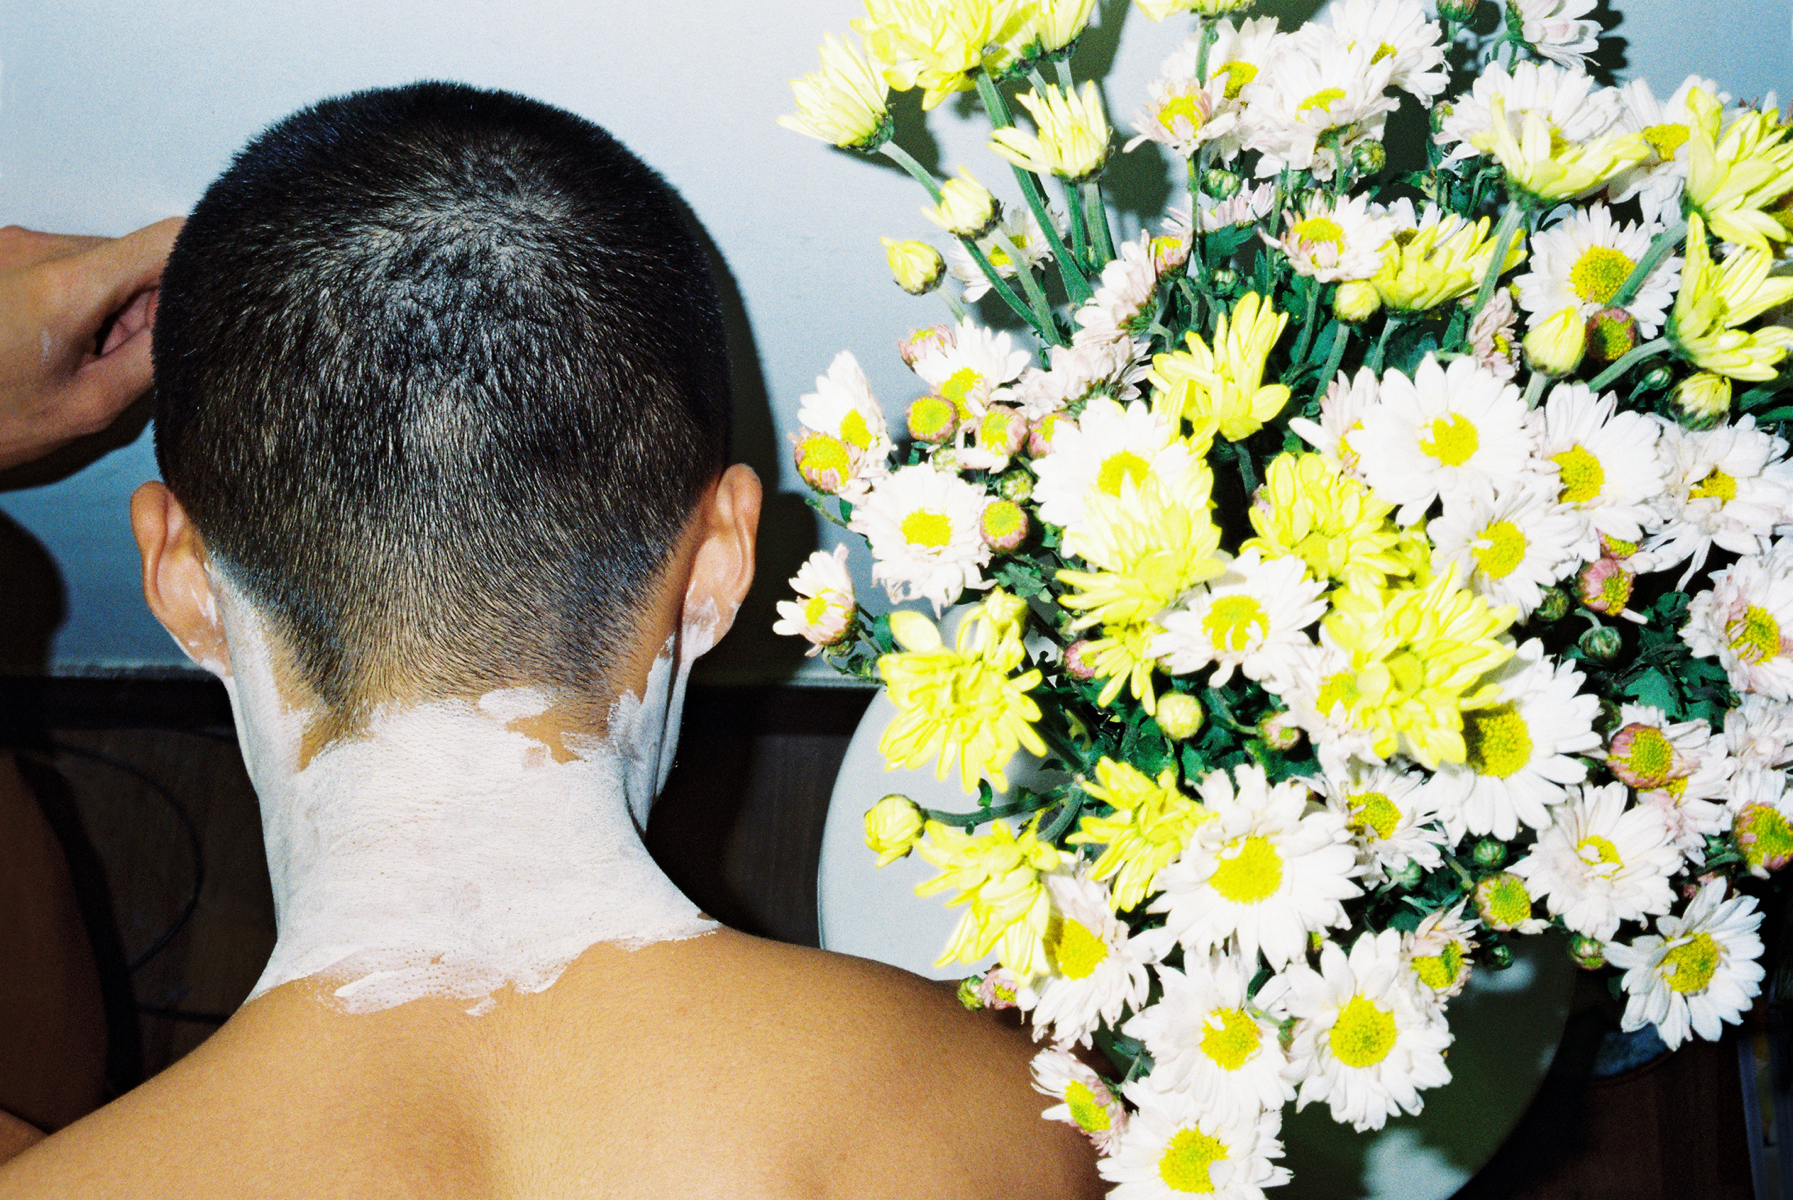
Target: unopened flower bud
(1224,279)
(1500,956)
(1003,526)
(916,266)
(823,460)
(1279,731)
(1612,334)
(1502,901)
(1047,428)
(966,208)
(1168,253)
(1369,157)
(1490,852)
(892,827)
(921,342)
(1764,838)
(933,419)
(1618,548)
(1220,184)
(1556,345)
(1410,876)
(968,996)
(1456,10)
(1703,399)
(1179,716)
(1553,606)
(1604,586)
(1357,300)
(1657,378)
(945,459)
(1001,431)
(1589,953)
(1601,643)
(1016,485)
(1078,664)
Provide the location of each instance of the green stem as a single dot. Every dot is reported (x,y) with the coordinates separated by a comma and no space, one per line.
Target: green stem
(1306,340)
(1077,284)
(1247,474)
(905,160)
(1503,241)
(1067,816)
(1000,285)
(1534,388)
(971,820)
(1374,361)
(1630,359)
(1218,709)
(1064,73)
(1660,248)
(1097,213)
(1210,33)
(1036,295)
(1333,359)
(955,305)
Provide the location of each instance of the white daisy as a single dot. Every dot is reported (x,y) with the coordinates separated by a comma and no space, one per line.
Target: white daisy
(1209,1041)
(1017,229)
(1085,1099)
(1760,731)
(824,608)
(1761,811)
(1336,740)
(1493,335)
(1657,181)
(1347,399)
(923,529)
(1520,748)
(1107,446)
(1608,464)
(1678,767)
(1258,869)
(1508,548)
(1727,486)
(842,406)
(1128,283)
(1183,113)
(1366,1042)
(1097,969)
(1172,1149)
(1251,618)
(1569,102)
(1458,429)
(973,368)
(1078,371)
(1744,620)
(1247,206)
(1390,814)
(1332,240)
(1697,971)
(1558,29)
(1236,57)
(1438,952)
(1398,31)
(1583,260)
(1315,102)
(1601,863)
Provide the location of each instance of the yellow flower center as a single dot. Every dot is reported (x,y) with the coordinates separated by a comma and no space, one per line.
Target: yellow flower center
(958,387)
(1250,876)
(1187,1157)
(853,429)
(1764,836)
(1599,273)
(1375,813)
(1003,519)
(1507,900)
(1364,1033)
(1505,550)
(1178,106)
(1232,620)
(1497,739)
(1581,473)
(1757,637)
(1666,139)
(1718,485)
(1089,1112)
(994,429)
(930,415)
(819,453)
(1233,1040)
(815,608)
(1323,99)
(1650,756)
(1121,465)
(926,527)
(1439,971)
(1238,74)
(1454,439)
(1383,51)
(1318,229)
(1691,965)
(1074,950)
(1595,849)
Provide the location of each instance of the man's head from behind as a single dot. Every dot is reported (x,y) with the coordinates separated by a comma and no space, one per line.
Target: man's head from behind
(442,389)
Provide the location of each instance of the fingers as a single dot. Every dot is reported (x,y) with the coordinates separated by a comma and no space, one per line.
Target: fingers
(112,273)
(21,247)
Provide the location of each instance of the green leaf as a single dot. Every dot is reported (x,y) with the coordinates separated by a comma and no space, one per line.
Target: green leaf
(1194,766)
(1656,689)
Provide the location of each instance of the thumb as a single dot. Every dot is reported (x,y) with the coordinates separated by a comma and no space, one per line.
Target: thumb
(102,280)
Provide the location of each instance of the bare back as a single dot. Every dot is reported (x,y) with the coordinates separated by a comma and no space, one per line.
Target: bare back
(720,1066)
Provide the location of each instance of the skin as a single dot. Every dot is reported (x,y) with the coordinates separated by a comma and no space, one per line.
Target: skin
(723,1065)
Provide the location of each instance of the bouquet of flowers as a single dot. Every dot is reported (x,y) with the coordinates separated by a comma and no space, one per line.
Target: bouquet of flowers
(1380,563)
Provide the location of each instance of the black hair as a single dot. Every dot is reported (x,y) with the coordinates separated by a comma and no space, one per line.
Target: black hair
(440,376)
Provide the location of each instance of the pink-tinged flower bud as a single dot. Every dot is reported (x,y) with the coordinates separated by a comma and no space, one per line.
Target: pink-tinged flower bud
(1642,756)
(933,420)
(1079,662)
(1000,988)
(1168,253)
(1764,838)
(945,459)
(1619,548)
(823,460)
(1004,525)
(1001,431)
(1279,731)
(924,341)
(1612,334)
(1605,586)
(1502,901)
(1045,431)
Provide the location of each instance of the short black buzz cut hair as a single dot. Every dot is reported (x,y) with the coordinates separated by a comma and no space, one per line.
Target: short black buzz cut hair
(440,376)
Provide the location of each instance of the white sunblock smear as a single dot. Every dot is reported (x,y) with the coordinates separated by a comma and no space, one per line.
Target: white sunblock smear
(445,852)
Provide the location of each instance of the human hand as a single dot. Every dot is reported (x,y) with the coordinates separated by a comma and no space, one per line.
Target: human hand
(58,381)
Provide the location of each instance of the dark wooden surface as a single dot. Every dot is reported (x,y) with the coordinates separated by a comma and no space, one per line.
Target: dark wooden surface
(135,777)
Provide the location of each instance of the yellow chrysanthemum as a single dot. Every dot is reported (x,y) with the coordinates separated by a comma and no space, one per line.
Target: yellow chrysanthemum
(1416,656)
(1439,262)
(844,102)
(1715,298)
(1058,23)
(1734,181)
(998,875)
(1151,823)
(1333,523)
(1149,545)
(1123,656)
(1223,389)
(1539,160)
(961,703)
(936,46)
(1072,142)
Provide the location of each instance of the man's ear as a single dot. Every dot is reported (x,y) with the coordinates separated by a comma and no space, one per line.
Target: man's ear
(722,569)
(175,584)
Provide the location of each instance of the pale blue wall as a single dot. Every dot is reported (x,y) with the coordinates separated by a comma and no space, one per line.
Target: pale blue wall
(115,113)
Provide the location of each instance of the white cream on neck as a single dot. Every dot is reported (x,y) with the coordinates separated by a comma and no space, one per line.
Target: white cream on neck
(444,853)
